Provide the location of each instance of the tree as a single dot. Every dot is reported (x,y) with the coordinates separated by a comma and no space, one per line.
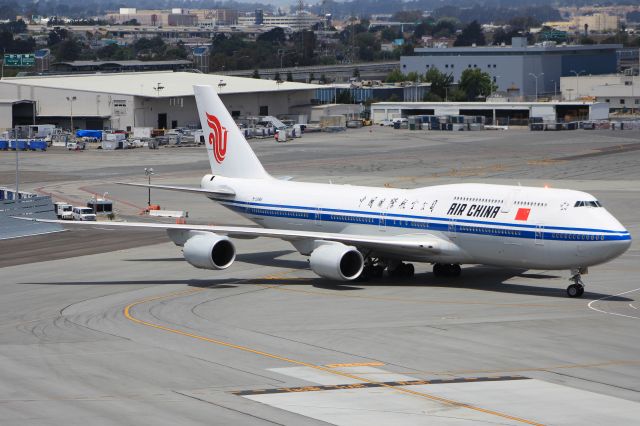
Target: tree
(476,84)
(256,74)
(445,27)
(389,34)
(422,29)
(68,50)
(413,76)
(471,34)
(395,76)
(56,36)
(367,44)
(440,82)
(275,36)
(407,16)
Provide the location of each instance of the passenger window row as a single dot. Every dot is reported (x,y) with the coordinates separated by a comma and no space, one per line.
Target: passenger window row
(581,237)
(530,203)
(478,200)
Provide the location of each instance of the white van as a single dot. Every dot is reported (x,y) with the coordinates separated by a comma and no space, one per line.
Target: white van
(83,213)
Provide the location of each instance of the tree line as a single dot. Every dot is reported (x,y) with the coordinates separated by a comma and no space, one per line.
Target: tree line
(474,84)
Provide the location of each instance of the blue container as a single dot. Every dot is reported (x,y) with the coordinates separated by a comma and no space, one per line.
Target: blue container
(4,145)
(20,143)
(37,145)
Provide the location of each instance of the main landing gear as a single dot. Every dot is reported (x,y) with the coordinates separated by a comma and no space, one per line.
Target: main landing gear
(402,269)
(374,268)
(446,270)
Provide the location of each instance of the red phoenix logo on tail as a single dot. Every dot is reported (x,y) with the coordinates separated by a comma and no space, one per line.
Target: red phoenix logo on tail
(217,138)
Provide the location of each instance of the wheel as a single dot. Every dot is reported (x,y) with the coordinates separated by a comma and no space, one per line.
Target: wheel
(377,271)
(575,290)
(437,270)
(409,270)
(455,270)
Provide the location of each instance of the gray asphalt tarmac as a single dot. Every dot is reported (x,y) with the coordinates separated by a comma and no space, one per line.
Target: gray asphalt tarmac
(112,327)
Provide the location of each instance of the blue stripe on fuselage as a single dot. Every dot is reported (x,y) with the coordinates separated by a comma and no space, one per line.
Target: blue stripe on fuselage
(449,225)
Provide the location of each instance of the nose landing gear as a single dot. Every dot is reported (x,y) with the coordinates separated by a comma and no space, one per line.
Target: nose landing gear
(577,288)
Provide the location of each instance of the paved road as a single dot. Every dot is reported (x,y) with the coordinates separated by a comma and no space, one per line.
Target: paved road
(137,335)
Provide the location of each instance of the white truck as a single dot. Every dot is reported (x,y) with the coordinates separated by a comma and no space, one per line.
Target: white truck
(63,210)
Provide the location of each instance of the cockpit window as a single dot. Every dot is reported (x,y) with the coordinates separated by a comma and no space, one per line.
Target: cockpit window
(587,204)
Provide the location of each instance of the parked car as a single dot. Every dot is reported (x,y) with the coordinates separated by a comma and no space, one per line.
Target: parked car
(83,214)
(386,122)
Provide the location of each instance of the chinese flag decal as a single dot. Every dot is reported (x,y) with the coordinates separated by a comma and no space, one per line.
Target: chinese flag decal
(523,214)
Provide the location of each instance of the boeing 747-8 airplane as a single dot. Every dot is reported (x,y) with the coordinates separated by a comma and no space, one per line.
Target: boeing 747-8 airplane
(351,232)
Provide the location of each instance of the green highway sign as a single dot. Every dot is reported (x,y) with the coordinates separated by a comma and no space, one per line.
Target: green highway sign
(19,60)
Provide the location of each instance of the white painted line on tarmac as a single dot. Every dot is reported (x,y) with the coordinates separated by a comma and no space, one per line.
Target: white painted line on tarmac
(612,313)
(633,307)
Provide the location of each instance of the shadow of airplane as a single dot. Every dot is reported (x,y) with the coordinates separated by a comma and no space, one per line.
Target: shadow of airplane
(479,278)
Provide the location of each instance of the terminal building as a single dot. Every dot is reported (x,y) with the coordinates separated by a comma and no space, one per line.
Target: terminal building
(162,100)
(520,70)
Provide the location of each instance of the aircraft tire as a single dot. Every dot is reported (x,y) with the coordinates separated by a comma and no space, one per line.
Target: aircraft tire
(409,270)
(575,290)
(455,270)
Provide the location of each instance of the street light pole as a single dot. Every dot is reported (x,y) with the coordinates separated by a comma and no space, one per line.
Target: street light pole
(148,172)
(536,77)
(15,140)
(577,73)
(71,100)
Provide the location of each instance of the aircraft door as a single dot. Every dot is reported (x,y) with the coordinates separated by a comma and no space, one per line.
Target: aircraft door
(382,220)
(318,216)
(452,228)
(539,234)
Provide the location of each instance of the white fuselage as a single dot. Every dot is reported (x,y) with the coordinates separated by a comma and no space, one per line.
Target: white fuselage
(537,228)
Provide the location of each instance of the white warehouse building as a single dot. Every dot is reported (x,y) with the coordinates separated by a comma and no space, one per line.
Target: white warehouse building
(161,100)
(495,112)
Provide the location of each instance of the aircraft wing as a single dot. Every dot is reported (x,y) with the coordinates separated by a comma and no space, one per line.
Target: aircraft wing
(426,243)
(220,190)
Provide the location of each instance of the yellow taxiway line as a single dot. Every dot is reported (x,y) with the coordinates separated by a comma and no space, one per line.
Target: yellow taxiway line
(127,313)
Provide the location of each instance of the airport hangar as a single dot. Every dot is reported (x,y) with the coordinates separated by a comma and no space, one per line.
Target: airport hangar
(503,112)
(161,100)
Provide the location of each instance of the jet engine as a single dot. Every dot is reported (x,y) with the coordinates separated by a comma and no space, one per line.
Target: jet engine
(337,262)
(209,251)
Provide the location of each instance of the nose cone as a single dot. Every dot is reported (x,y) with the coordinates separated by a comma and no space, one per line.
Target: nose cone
(618,247)
(619,240)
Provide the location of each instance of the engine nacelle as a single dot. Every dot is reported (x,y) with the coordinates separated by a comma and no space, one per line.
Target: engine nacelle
(209,251)
(337,262)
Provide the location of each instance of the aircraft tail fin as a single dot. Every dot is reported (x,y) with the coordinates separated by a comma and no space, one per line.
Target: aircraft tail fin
(229,152)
